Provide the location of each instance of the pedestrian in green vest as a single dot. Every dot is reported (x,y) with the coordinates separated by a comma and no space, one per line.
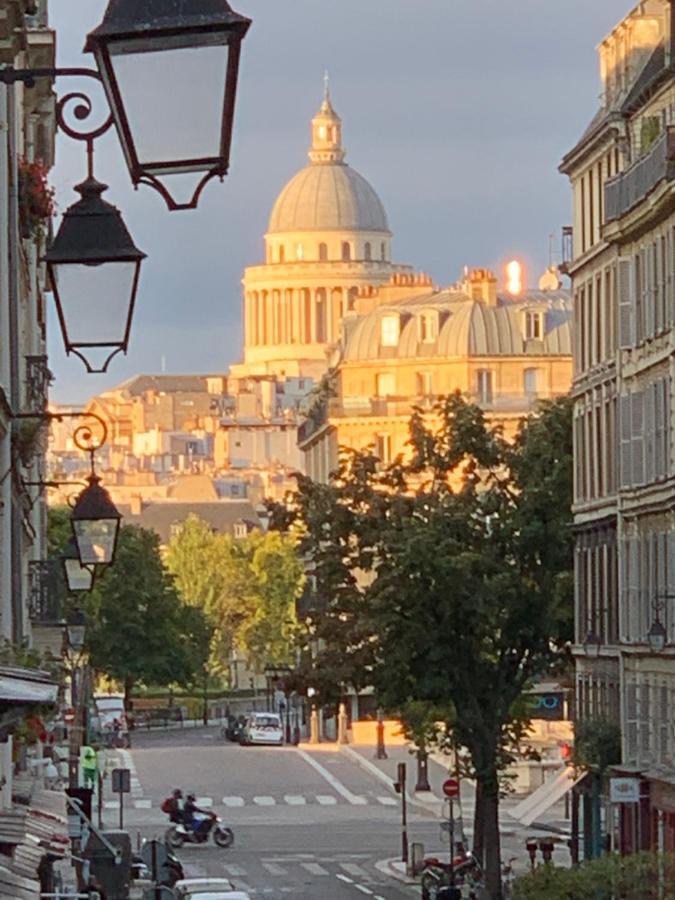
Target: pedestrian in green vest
(89,766)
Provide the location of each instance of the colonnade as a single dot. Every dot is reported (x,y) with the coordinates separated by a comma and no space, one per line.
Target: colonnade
(296,315)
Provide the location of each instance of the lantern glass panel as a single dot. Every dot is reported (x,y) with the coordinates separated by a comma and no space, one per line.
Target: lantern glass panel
(79,577)
(95,300)
(96,540)
(173,94)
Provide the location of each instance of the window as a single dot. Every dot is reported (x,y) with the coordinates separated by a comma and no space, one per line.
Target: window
(346,251)
(484,385)
(240,530)
(383,251)
(383,448)
(323,252)
(386,384)
(424,384)
(368,251)
(281,254)
(299,252)
(427,328)
(532,382)
(323,132)
(389,331)
(533,326)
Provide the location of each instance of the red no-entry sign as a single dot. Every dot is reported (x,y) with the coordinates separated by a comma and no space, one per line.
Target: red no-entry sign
(451,788)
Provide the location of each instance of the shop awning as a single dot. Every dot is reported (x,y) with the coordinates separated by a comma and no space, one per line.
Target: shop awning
(536,804)
(24,686)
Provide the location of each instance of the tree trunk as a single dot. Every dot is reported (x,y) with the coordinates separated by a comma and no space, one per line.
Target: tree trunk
(492,843)
(128,688)
(478,822)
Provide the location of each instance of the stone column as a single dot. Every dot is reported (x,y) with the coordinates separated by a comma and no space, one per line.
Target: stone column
(314,296)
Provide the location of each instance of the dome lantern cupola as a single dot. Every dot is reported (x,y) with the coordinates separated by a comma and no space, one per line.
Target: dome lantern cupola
(326,133)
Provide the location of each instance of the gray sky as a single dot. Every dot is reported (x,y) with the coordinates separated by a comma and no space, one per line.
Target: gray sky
(457,112)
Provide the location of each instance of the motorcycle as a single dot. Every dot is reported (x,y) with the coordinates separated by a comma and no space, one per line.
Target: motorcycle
(177,834)
(173,869)
(438,877)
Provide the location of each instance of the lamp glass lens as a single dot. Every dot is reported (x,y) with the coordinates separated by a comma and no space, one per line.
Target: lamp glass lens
(95,301)
(79,577)
(173,98)
(96,540)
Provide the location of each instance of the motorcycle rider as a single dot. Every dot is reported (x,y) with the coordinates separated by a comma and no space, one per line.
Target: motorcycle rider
(177,804)
(200,827)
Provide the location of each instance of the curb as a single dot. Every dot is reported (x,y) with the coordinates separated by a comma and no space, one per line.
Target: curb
(376,772)
(386,866)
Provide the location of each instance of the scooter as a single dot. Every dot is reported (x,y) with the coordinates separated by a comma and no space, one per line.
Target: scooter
(178,834)
(437,877)
(173,870)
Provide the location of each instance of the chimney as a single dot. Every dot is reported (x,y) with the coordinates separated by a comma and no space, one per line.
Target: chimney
(481,284)
(136,504)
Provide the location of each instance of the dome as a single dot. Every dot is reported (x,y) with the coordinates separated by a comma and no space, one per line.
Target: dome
(328,196)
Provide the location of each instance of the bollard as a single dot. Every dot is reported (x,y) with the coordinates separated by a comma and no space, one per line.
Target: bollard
(314,737)
(343,724)
(381,752)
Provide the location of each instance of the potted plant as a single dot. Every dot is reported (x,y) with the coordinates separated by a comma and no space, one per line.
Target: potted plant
(36,199)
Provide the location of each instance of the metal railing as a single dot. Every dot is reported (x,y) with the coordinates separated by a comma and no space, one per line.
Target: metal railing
(630,187)
(38,378)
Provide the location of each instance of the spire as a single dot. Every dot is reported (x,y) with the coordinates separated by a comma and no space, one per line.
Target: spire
(326,131)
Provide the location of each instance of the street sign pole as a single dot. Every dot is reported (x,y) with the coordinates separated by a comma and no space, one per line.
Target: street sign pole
(451,831)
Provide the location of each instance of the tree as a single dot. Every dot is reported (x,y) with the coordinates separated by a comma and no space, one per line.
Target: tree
(138,629)
(247,588)
(446,579)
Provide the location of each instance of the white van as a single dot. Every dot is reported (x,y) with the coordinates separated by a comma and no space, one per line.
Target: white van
(110,710)
(263,728)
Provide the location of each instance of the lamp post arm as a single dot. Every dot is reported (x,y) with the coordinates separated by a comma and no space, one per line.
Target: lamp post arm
(90,445)
(10,75)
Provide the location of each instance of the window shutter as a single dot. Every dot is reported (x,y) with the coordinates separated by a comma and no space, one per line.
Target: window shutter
(645,721)
(650,290)
(631,722)
(659,429)
(670,279)
(626,304)
(664,721)
(637,442)
(633,590)
(667,427)
(649,433)
(625,430)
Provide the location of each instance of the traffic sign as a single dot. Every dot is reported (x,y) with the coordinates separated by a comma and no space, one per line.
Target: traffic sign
(451,788)
(154,854)
(69,717)
(121,781)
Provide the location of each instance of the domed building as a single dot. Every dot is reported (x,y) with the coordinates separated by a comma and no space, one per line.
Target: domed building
(328,240)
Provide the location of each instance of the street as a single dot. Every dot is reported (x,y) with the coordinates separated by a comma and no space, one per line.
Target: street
(308,823)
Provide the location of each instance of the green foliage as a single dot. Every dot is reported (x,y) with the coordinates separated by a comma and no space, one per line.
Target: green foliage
(246,588)
(138,630)
(597,744)
(639,876)
(650,129)
(446,580)
(59,529)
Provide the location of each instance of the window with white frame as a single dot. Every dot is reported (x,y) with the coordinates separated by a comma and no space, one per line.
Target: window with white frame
(484,385)
(534,325)
(532,382)
(383,448)
(386,384)
(390,328)
(427,328)
(425,387)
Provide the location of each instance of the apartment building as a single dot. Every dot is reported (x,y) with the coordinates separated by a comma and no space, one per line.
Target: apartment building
(622,264)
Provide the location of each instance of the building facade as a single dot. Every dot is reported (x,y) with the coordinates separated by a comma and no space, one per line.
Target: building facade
(327,239)
(622,264)
(409,343)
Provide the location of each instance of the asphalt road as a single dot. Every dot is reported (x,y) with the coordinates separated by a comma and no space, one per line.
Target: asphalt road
(307,823)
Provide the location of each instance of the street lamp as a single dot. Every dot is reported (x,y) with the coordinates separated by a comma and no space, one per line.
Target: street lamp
(96,524)
(657,636)
(169,69)
(76,630)
(592,643)
(94,267)
(79,578)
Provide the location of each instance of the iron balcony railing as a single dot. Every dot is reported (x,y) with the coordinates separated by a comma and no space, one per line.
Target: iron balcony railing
(38,378)
(629,188)
(47,591)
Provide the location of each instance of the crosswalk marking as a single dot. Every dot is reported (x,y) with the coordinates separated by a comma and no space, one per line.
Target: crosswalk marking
(314,868)
(326,799)
(275,869)
(345,878)
(264,801)
(363,889)
(295,799)
(234,871)
(206,802)
(355,800)
(353,869)
(387,801)
(233,801)
(142,804)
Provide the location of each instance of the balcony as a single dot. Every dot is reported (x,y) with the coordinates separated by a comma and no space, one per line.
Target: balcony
(631,187)
(47,592)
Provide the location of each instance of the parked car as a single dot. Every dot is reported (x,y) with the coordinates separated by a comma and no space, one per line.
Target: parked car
(233,729)
(112,719)
(207,889)
(262,728)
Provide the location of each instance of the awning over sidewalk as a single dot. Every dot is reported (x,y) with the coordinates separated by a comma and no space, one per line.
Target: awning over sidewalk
(536,804)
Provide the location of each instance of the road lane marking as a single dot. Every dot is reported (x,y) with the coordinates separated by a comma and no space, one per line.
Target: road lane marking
(314,869)
(387,801)
(344,878)
(206,802)
(233,801)
(274,869)
(354,870)
(111,804)
(363,889)
(128,763)
(264,801)
(234,871)
(295,799)
(332,780)
(142,804)
(326,799)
